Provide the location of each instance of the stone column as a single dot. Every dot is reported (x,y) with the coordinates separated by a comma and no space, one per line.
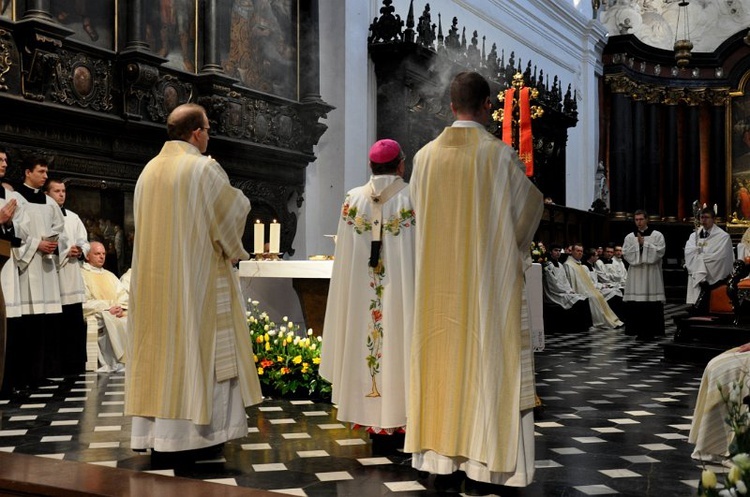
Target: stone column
(691,171)
(621,153)
(211,57)
(134,31)
(38,9)
(670,161)
(309,45)
(652,162)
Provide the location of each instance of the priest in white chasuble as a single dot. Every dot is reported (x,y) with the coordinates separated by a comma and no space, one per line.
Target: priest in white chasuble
(369,315)
(471,392)
(190,371)
(644,249)
(105,309)
(708,259)
(580,280)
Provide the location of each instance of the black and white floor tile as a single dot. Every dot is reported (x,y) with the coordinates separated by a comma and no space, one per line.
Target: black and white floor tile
(615,422)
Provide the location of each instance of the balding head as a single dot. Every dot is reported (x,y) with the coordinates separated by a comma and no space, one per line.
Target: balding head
(97,254)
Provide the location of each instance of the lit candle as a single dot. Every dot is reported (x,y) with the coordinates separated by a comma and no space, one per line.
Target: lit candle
(258,238)
(274,242)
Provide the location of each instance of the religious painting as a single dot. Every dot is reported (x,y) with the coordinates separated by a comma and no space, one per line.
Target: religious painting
(258,44)
(7,9)
(107,216)
(740,154)
(92,21)
(170,31)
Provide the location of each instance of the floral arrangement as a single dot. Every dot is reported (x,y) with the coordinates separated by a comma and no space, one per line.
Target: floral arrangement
(538,252)
(287,358)
(737,480)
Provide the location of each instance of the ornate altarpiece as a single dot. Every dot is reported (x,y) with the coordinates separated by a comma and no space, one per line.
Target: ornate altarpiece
(91,82)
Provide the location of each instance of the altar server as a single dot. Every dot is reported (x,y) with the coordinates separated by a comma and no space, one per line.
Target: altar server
(558,293)
(644,249)
(708,259)
(369,315)
(35,310)
(580,280)
(472,379)
(71,338)
(190,371)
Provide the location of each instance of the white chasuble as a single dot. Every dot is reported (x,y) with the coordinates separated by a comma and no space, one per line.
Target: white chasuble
(368,323)
(709,431)
(708,259)
(645,282)
(471,391)
(601,314)
(102,291)
(185,305)
(557,289)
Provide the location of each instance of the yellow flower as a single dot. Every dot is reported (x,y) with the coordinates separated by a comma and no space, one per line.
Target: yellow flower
(265,337)
(735,475)
(316,360)
(297,359)
(268,346)
(259,339)
(255,358)
(305,367)
(279,358)
(260,371)
(708,478)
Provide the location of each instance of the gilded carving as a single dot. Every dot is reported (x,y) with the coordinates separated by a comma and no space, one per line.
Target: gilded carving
(6,62)
(77,79)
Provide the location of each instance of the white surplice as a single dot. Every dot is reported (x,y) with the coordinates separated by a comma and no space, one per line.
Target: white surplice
(645,282)
(601,314)
(368,321)
(557,289)
(38,283)
(707,260)
(9,277)
(69,270)
(607,289)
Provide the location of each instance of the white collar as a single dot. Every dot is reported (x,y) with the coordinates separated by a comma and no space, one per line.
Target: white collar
(467,124)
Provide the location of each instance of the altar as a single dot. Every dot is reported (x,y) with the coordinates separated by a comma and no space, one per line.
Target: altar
(310,280)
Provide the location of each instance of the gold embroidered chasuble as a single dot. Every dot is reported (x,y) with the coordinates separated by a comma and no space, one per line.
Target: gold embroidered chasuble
(472,365)
(186,325)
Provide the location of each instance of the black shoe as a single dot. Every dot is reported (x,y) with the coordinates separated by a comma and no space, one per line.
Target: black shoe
(169,460)
(449,483)
(208,453)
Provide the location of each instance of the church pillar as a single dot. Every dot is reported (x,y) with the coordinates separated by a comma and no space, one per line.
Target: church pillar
(718,157)
(652,161)
(38,9)
(621,148)
(670,161)
(691,163)
(134,30)
(310,44)
(637,181)
(211,57)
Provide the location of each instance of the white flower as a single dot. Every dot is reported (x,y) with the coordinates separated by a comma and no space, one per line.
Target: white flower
(276,342)
(742,460)
(285,319)
(290,324)
(248,314)
(255,302)
(735,474)
(320,339)
(728,492)
(271,333)
(282,329)
(265,328)
(263,314)
(249,301)
(296,340)
(290,334)
(309,331)
(313,347)
(741,487)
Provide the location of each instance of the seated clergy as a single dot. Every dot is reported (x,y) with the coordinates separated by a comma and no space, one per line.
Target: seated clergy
(578,275)
(105,309)
(710,432)
(610,291)
(708,259)
(610,269)
(564,308)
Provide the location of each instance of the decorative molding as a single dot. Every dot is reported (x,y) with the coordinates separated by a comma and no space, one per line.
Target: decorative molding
(668,95)
(80,80)
(6,60)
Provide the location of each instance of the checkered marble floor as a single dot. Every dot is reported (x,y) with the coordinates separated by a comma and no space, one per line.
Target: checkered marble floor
(615,422)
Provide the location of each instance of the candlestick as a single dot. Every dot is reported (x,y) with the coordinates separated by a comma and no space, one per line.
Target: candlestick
(258,238)
(274,242)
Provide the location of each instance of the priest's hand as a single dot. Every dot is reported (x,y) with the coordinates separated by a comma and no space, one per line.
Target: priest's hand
(744,348)
(75,252)
(640,239)
(47,247)
(117,311)
(6,213)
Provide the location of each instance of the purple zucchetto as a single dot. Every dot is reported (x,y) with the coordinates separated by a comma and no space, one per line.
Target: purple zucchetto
(384,151)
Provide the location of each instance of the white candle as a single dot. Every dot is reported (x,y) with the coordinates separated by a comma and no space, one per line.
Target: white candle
(258,237)
(274,242)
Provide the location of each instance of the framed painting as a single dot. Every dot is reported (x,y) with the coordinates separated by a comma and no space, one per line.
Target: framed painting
(739,151)
(170,31)
(92,21)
